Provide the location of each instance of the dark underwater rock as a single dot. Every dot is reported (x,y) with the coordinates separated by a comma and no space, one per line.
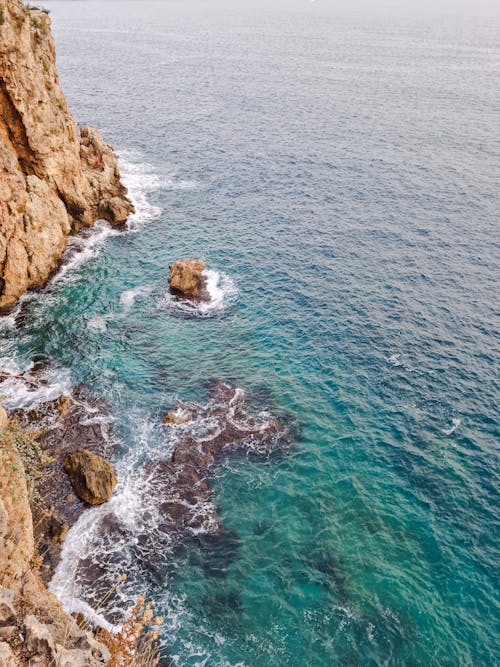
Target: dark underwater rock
(174,501)
(72,422)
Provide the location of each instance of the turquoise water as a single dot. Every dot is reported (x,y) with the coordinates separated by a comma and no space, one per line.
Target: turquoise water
(340,172)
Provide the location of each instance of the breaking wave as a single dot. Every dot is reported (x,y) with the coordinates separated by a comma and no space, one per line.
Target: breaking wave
(163,496)
(221,289)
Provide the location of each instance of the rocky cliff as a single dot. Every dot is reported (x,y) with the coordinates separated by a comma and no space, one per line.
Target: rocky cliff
(54,178)
(34,630)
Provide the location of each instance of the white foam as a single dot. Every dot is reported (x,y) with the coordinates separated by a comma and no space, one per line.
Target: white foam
(221,289)
(394,360)
(19,392)
(97,323)
(8,321)
(141,180)
(128,297)
(455,423)
(82,247)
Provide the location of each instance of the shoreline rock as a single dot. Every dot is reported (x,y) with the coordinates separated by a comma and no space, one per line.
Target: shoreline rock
(54,178)
(34,628)
(92,477)
(59,428)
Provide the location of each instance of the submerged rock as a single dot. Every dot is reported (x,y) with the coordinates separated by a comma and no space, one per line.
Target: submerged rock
(174,499)
(92,477)
(185,277)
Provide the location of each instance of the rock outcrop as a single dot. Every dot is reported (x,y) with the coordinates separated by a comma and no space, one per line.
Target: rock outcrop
(185,277)
(4,419)
(34,630)
(92,477)
(174,494)
(58,428)
(54,179)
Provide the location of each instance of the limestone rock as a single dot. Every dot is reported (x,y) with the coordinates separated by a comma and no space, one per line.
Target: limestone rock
(4,418)
(93,478)
(39,641)
(63,406)
(185,277)
(7,658)
(9,633)
(54,179)
(7,610)
(16,530)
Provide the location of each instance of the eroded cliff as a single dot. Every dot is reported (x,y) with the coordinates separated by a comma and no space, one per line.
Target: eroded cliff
(34,630)
(54,178)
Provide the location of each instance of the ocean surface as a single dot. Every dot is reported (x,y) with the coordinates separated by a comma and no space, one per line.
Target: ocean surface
(339,174)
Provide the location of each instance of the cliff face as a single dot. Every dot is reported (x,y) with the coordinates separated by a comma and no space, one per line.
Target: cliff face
(54,179)
(34,630)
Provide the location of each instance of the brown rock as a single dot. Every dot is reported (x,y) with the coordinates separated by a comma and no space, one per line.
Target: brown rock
(9,633)
(7,658)
(177,416)
(63,406)
(39,640)
(54,180)
(4,418)
(185,277)
(92,477)
(7,610)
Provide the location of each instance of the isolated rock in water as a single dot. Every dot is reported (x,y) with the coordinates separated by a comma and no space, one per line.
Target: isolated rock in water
(186,278)
(54,178)
(93,478)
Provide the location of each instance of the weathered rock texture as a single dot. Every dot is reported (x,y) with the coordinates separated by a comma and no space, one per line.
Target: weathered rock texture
(60,427)
(34,630)
(185,277)
(54,180)
(93,478)
(174,494)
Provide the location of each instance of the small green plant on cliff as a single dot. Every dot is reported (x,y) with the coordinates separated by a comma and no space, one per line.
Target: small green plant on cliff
(2,16)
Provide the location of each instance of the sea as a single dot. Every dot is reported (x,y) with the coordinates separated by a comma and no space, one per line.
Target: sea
(337,167)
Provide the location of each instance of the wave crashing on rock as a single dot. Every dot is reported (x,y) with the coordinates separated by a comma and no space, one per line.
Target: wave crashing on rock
(161,504)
